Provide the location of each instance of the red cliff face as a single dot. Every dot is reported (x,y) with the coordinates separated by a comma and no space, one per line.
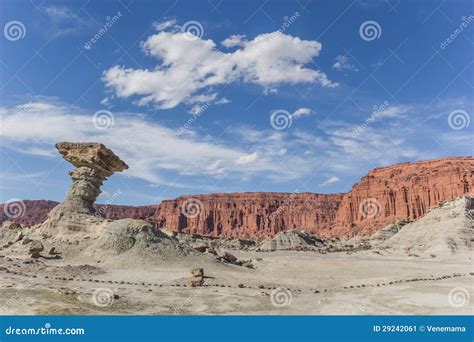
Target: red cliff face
(402,191)
(385,195)
(248,215)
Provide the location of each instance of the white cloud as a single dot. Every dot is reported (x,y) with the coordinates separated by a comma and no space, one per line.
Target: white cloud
(301,112)
(151,149)
(343,63)
(393,112)
(331,180)
(63,21)
(222,100)
(250,158)
(160,26)
(190,70)
(234,40)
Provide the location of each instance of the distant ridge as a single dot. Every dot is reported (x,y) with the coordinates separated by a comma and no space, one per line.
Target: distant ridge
(383,196)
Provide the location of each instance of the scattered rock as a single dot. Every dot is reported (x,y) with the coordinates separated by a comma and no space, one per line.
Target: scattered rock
(197,277)
(291,240)
(197,272)
(200,247)
(52,251)
(11,225)
(18,237)
(35,249)
(25,241)
(230,258)
(247,263)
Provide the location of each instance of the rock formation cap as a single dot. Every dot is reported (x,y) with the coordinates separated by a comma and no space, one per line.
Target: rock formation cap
(93,155)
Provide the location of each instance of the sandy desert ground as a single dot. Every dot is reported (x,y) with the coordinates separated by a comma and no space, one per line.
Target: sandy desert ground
(80,264)
(283,282)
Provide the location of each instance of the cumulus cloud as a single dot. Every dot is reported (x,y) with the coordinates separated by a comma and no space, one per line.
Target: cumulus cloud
(301,112)
(343,63)
(190,71)
(234,40)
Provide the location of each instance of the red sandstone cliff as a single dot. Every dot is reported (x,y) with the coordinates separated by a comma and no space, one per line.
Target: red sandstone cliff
(251,215)
(401,191)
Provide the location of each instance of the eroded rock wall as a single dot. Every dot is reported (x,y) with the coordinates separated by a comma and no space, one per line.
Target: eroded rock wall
(383,196)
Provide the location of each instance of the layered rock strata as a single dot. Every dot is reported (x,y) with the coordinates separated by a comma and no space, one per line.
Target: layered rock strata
(94,163)
(403,191)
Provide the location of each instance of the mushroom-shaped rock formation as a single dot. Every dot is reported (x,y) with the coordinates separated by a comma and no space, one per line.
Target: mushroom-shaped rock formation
(94,163)
(93,156)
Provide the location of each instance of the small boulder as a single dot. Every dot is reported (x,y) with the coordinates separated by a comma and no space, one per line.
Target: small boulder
(230,258)
(200,247)
(35,249)
(197,277)
(25,241)
(11,225)
(18,237)
(52,251)
(197,272)
(196,281)
(248,263)
(211,250)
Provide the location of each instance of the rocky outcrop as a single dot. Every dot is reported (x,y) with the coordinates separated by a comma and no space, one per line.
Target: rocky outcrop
(197,277)
(399,192)
(247,215)
(386,195)
(291,240)
(36,211)
(446,230)
(94,163)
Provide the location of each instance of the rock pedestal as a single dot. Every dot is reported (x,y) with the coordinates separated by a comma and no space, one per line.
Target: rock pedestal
(197,277)
(94,164)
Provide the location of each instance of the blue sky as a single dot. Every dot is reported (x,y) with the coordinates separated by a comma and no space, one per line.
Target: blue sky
(231,96)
